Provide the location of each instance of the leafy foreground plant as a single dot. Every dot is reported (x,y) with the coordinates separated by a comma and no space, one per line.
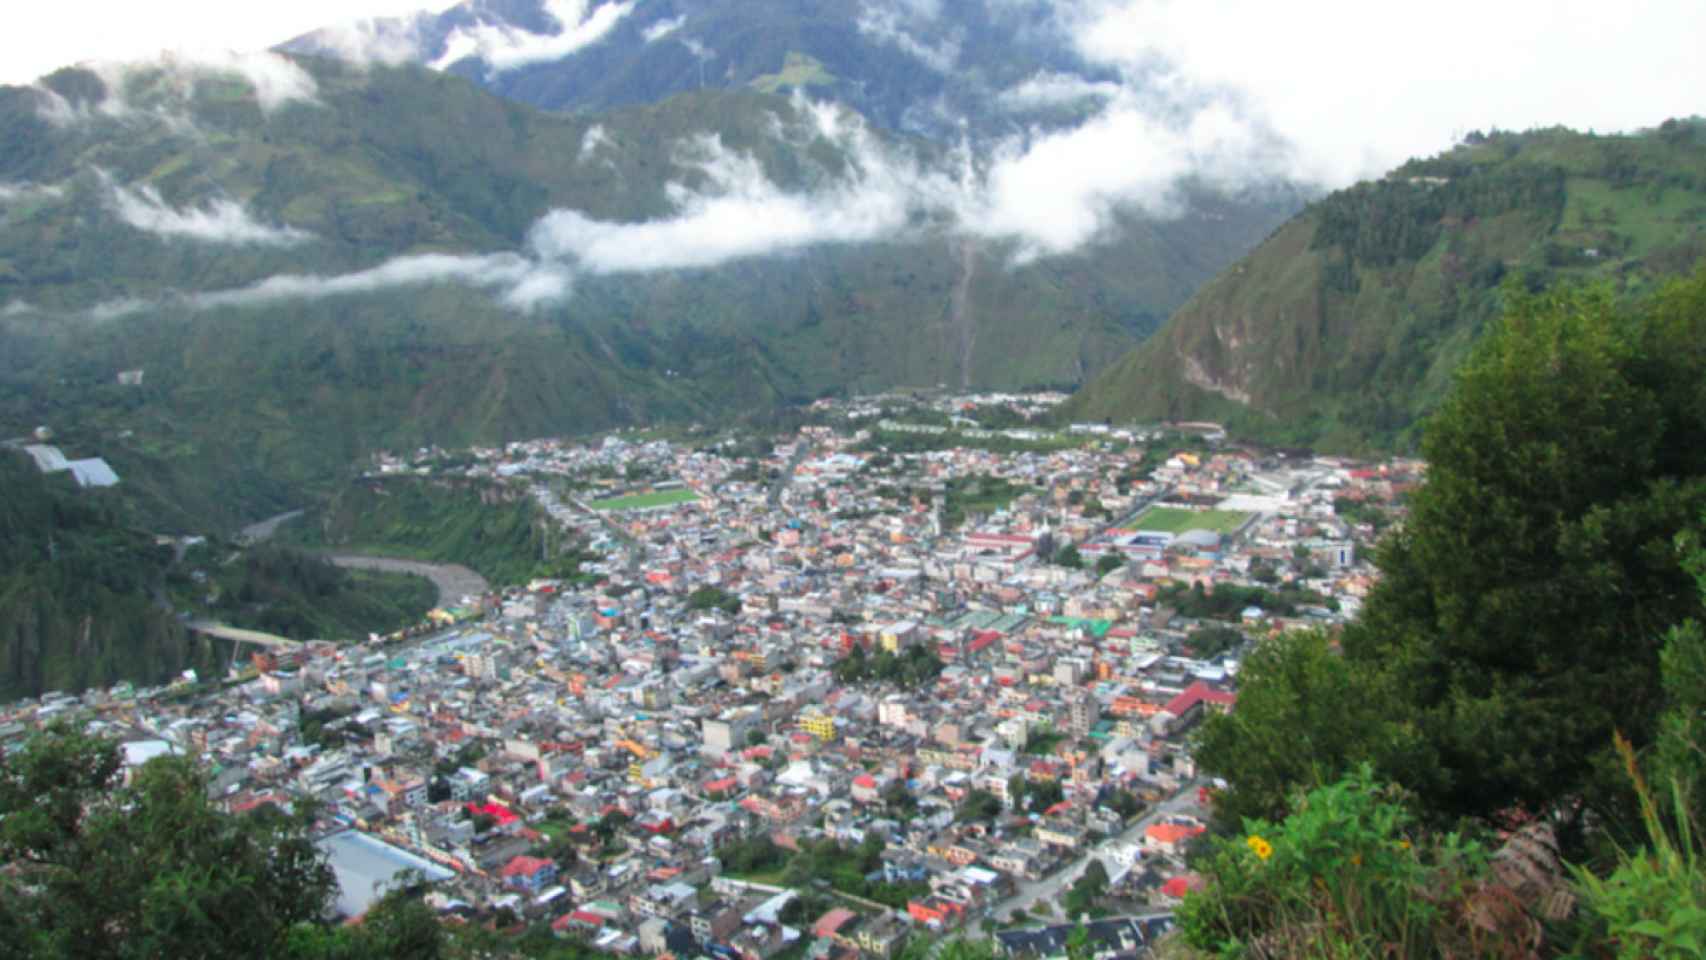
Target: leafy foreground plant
(1348,874)
(1654,903)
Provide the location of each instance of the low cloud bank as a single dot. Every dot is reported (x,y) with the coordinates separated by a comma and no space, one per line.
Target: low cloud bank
(219,221)
(504,47)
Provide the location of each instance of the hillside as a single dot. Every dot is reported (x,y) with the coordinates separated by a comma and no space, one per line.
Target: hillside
(1343,328)
(308,261)
(76,591)
(914,67)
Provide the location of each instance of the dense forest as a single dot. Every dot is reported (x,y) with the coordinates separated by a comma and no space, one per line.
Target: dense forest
(78,590)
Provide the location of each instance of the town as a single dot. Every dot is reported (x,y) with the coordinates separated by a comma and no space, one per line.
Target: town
(917,667)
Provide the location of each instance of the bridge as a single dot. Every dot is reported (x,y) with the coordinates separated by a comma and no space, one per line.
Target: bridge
(240,636)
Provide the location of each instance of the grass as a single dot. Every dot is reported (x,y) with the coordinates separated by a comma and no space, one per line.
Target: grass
(646,501)
(1172,520)
(798,71)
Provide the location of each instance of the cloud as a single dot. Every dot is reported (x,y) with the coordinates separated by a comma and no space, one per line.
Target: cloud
(594,139)
(896,22)
(521,280)
(1358,95)
(1061,190)
(504,47)
(17,192)
(162,88)
(664,28)
(1047,89)
(740,213)
(220,221)
(16,308)
(390,41)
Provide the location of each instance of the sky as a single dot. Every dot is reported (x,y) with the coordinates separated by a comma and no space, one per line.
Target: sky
(42,37)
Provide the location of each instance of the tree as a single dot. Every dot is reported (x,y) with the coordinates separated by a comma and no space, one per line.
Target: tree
(1517,624)
(149,868)
(1107,563)
(1069,557)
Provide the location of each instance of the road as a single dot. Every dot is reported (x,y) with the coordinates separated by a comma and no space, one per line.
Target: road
(257,532)
(1051,886)
(453,580)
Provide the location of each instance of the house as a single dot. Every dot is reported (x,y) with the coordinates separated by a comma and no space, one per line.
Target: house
(531,874)
(1169,838)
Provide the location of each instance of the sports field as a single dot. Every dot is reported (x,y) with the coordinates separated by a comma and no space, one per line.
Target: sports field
(1171,520)
(646,501)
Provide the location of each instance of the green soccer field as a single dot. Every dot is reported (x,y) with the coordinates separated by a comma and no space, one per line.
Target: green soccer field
(646,501)
(1171,520)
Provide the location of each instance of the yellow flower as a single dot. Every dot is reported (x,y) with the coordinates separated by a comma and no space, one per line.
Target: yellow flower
(1403,844)
(1261,848)
(1356,859)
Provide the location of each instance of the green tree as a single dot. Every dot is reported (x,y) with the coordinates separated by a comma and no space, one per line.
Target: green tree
(1517,622)
(147,868)
(1107,563)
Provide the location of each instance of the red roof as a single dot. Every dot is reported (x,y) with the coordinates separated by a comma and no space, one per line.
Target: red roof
(832,921)
(1171,832)
(865,780)
(1182,884)
(1198,692)
(525,866)
(503,815)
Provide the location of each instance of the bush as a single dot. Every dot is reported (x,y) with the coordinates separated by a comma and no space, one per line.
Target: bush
(1341,876)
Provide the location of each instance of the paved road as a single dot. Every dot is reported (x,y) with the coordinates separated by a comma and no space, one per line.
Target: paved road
(257,532)
(454,581)
(1051,886)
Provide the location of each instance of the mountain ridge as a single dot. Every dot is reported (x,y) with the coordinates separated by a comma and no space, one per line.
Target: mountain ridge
(1342,329)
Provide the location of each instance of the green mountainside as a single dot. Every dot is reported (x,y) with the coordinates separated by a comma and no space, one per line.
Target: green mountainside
(493,529)
(1344,327)
(77,590)
(248,409)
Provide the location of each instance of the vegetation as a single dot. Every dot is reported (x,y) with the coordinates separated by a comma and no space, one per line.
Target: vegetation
(1174,520)
(917,666)
(496,530)
(250,409)
(977,495)
(1519,620)
(711,597)
(1206,643)
(1081,897)
(77,589)
(845,869)
(1229,601)
(302,596)
(1342,330)
(646,501)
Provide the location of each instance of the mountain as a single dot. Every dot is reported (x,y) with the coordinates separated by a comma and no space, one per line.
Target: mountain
(76,591)
(298,261)
(1343,328)
(987,67)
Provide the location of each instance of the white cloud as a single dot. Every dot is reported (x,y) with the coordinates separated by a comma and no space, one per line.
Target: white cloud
(16,308)
(504,47)
(167,84)
(595,138)
(504,271)
(390,41)
(741,213)
(1047,89)
(10,192)
(664,28)
(896,22)
(1359,93)
(1061,190)
(220,221)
